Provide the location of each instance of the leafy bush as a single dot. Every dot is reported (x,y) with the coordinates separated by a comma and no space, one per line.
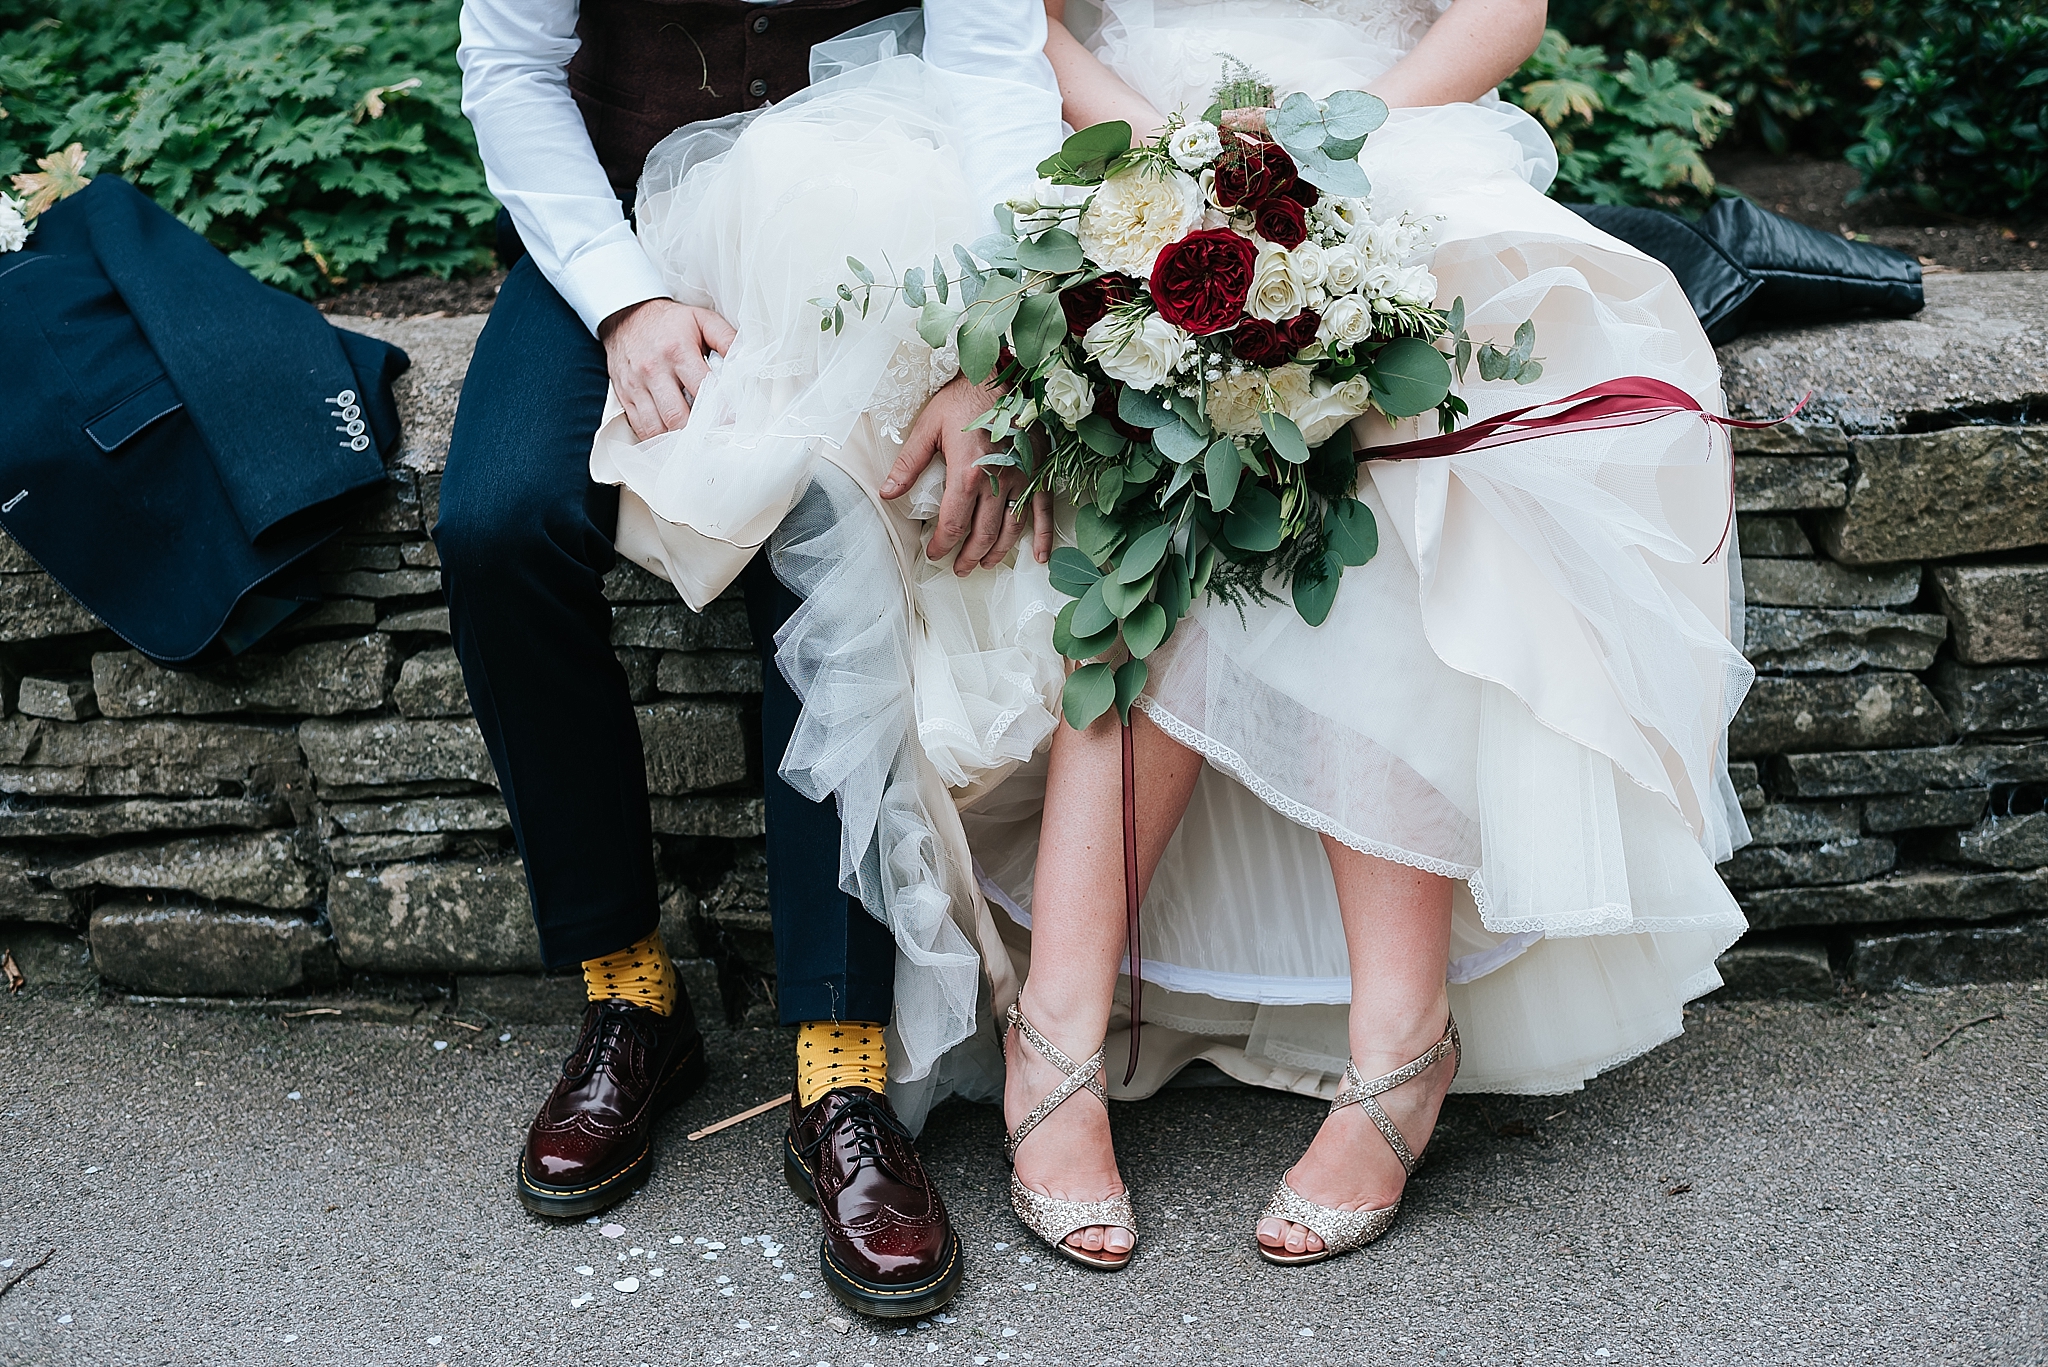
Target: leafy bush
(1627,136)
(1957,120)
(1792,69)
(318,147)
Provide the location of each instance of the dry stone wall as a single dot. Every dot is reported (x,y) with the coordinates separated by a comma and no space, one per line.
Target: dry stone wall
(322,812)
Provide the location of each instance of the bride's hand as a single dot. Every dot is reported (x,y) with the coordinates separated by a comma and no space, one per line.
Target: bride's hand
(655,352)
(972,516)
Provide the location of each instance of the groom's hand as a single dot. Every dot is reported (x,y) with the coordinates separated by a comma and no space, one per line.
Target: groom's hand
(655,352)
(972,516)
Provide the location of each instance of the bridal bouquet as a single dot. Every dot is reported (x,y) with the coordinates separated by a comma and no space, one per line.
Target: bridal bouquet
(1183,332)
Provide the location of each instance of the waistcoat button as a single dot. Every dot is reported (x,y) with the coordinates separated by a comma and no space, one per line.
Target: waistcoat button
(760,23)
(758,89)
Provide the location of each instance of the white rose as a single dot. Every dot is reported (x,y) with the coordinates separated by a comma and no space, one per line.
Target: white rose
(1346,322)
(1135,213)
(1414,285)
(1343,268)
(1069,395)
(1194,145)
(1277,292)
(1292,385)
(14,228)
(1141,356)
(1329,407)
(1310,263)
(1235,402)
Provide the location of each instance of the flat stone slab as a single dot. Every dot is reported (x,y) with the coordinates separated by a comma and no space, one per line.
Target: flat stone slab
(180,951)
(1824,584)
(1823,640)
(1946,493)
(263,869)
(1997,613)
(1855,773)
(1794,969)
(2000,698)
(322,679)
(455,917)
(1915,895)
(1837,861)
(427,394)
(1836,712)
(1980,344)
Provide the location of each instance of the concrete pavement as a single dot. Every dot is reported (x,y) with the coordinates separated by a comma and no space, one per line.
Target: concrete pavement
(1786,1183)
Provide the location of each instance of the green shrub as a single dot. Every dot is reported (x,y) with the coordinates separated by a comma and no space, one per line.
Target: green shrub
(319,147)
(1957,119)
(1792,69)
(1627,136)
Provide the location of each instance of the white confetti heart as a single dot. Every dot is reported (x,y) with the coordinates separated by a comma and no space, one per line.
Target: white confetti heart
(434,1342)
(629,1284)
(657,1271)
(612,1231)
(586,1271)
(291,1096)
(582,1300)
(679,1239)
(440,1044)
(289,1338)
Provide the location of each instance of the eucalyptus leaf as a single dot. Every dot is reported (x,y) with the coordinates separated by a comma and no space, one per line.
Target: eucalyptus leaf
(937,322)
(1205,565)
(969,270)
(1055,250)
(1143,464)
(1525,343)
(1109,489)
(1178,442)
(1085,156)
(1352,114)
(1122,598)
(1144,629)
(938,279)
(1353,532)
(1343,149)
(1221,467)
(866,276)
(913,287)
(1254,521)
(1091,615)
(1140,409)
(1130,682)
(1530,372)
(1285,436)
(1493,363)
(982,326)
(1071,571)
(1174,590)
(1335,177)
(1189,411)
(1041,325)
(1090,691)
(1096,532)
(1315,593)
(1143,555)
(1183,475)
(998,249)
(1101,436)
(1409,376)
(1079,647)
(998,460)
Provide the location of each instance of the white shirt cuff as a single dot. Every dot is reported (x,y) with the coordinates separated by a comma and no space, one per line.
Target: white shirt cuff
(610,274)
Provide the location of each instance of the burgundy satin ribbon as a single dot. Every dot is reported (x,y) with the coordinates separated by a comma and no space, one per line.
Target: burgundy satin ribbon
(1625,402)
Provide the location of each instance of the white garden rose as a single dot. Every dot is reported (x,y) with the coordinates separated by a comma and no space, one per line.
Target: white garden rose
(14,228)
(1347,321)
(1413,285)
(1069,395)
(1310,264)
(1343,268)
(1235,402)
(1328,407)
(1142,356)
(1135,213)
(1293,387)
(1277,292)
(1194,145)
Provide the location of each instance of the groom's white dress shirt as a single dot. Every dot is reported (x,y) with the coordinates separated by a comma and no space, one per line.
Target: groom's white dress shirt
(540,164)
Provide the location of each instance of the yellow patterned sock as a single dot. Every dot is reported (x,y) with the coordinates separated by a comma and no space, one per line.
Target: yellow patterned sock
(641,973)
(839,1054)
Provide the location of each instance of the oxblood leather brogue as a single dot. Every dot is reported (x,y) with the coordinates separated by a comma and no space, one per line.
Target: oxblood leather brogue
(889,1248)
(591,1146)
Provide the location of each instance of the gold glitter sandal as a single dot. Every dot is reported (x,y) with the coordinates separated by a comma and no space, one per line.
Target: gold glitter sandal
(1049,1217)
(1344,1230)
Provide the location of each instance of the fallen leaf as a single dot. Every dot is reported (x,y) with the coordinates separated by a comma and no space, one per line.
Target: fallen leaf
(16,980)
(1681,1189)
(63,175)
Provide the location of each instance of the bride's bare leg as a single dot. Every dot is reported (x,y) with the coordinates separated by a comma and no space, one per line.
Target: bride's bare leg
(1077,944)
(1397,927)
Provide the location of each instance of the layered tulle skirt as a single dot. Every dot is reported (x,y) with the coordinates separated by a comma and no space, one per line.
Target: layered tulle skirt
(1527,689)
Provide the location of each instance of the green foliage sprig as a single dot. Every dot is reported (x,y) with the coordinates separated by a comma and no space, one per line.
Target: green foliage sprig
(1631,135)
(319,146)
(1957,121)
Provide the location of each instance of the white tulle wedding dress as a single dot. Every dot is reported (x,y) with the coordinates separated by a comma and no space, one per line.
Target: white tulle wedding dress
(1527,690)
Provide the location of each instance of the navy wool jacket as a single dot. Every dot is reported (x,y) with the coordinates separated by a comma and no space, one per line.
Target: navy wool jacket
(178,435)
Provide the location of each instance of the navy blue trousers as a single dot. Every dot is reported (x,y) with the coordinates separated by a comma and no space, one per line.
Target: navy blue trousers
(525,539)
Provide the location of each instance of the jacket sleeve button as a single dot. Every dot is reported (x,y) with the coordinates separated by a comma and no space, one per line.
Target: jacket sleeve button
(760,23)
(759,89)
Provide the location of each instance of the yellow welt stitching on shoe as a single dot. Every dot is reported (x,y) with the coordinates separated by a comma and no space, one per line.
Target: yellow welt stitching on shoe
(539,1190)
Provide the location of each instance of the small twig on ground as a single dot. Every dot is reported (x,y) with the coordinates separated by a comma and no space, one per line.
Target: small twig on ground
(316,1011)
(742,1117)
(1958,1029)
(15,1280)
(465,1025)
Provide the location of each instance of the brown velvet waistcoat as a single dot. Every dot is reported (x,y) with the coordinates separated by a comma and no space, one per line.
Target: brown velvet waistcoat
(647,67)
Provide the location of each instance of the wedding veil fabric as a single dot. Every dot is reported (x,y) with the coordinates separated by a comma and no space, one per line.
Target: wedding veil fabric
(1527,689)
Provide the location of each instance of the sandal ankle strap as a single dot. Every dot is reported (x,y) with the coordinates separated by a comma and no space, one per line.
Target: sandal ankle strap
(1357,1091)
(1078,1077)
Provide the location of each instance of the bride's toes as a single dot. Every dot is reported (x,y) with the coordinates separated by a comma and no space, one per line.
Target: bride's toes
(1090,1239)
(1285,1234)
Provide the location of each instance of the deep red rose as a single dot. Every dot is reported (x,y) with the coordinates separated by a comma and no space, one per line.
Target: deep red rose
(1201,282)
(1282,221)
(1260,343)
(1250,170)
(1301,329)
(1300,189)
(1085,305)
